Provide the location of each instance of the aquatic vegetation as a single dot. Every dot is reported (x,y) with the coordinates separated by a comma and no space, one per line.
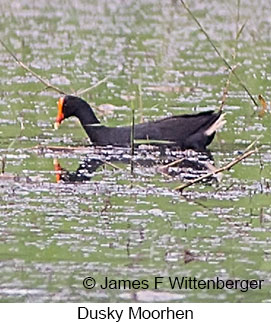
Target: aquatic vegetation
(57,230)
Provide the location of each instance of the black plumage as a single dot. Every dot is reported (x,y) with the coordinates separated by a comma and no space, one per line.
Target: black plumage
(190,131)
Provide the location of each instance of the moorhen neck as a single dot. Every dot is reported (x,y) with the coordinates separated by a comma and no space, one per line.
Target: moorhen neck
(189,131)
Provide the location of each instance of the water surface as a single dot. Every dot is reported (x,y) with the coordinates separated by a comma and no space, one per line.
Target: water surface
(116,224)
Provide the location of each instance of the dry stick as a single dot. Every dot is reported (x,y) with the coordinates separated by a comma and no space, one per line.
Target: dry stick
(171,164)
(238,15)
(165,167)
(253,143)
(45,82)
(225,92)
(238,33)
(62,148)
(93,86)
(218,53)
(227,85)
(3,164)
(132,141)
(218,170)
(112,165)
(3,160)
(245,154)
(28,69)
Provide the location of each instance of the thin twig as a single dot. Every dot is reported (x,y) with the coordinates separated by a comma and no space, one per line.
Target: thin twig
(28,69)
(18,135)
(132,137)
(253,143)
(218,53)
(3,164)
(3,159)
(218,170)
(163,169)
(234,55)
(173,163)
(140,104)
(83,149)
(112,165)
(245,154)
(44,81)
(225,91)
(93,86)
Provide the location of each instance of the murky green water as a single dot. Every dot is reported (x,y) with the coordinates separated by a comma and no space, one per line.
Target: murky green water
(53,235)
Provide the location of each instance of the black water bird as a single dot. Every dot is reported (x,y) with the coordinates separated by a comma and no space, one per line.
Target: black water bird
(188,131)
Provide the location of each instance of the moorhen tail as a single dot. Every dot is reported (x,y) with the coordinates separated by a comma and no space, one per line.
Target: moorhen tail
(189,131)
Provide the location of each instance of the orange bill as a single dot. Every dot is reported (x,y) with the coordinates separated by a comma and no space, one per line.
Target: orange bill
(60,114)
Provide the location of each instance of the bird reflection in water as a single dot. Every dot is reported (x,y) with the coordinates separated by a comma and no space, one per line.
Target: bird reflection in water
(172,163)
